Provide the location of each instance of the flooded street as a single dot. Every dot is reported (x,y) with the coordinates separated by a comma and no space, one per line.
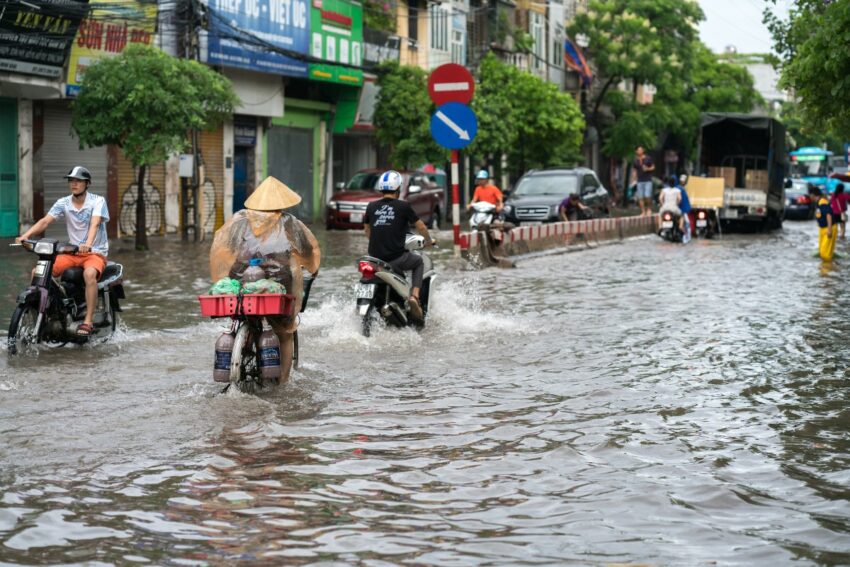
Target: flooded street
(638,402)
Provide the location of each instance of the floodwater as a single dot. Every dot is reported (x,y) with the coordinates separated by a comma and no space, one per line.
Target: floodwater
(635,403)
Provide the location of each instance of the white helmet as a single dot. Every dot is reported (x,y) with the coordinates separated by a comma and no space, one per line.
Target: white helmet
(482,174)
(390,181)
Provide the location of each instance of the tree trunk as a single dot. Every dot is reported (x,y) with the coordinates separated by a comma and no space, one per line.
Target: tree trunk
(141,220)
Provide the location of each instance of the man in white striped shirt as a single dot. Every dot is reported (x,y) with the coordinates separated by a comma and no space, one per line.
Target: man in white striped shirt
(85,216)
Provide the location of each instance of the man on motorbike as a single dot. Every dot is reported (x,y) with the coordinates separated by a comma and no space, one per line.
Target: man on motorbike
(85,217)
(670,199)
(386,224)
(264,230)
(484,191)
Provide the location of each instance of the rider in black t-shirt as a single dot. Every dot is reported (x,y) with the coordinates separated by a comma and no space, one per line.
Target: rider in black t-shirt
(387,222)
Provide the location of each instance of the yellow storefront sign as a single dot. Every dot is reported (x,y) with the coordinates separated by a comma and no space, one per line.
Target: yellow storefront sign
(110,26)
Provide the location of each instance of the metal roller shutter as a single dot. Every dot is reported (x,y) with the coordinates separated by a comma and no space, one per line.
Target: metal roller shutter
(60,152)
(211,146)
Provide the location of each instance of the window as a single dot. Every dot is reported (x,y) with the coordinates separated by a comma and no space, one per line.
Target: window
(537,34)
(439,19)
(413,20)
(458,51)
(589,183)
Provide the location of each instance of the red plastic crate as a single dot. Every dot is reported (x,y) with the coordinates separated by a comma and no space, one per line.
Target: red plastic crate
(268,304)
(255,304)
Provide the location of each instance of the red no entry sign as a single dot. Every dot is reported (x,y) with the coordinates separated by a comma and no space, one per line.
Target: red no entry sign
(450,83)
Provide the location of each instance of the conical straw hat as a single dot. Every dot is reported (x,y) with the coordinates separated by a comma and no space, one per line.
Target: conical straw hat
(272,195)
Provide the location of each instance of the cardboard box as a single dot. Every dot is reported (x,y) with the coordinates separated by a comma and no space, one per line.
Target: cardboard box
(705,192)
(756,179)
(727,173)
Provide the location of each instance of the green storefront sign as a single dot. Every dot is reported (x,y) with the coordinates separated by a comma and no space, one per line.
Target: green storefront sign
(336,36)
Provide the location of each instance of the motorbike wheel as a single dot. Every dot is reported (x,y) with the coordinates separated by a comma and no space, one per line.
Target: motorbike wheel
(368,321)
(21,328)
(244,366)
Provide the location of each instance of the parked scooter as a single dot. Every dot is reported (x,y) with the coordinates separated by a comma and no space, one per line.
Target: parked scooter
(383,292)
(49,311)
(670,230)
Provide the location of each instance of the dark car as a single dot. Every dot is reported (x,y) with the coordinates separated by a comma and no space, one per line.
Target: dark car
(799,204)
(424,189)
(537,194)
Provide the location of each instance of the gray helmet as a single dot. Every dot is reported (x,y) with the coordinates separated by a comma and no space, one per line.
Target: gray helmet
(79,172)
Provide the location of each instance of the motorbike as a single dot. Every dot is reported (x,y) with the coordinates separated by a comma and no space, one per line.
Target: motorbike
(705,223)
(383,292)
(483,214)
(670,227)
(50,310)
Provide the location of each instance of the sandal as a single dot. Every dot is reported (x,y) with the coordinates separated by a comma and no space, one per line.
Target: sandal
(415,308)
(84,330)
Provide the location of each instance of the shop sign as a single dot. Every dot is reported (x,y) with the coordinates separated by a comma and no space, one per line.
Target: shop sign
(111,26)
(239,32)
(244,131)
(336,29)
(35,35)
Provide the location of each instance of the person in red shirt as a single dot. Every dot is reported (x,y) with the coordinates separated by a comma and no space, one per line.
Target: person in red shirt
(838,202)
(486,192)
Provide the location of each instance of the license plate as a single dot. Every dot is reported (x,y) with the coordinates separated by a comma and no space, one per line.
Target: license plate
(40,269)
(701,223)
(356,217)
(730,213)
(364,291)
(667,224)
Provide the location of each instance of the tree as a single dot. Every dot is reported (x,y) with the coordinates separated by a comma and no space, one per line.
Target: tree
(814,48)
(146,102)
(524,117)
(403,116)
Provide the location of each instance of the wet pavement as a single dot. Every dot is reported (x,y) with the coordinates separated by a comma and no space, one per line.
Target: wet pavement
(638,402)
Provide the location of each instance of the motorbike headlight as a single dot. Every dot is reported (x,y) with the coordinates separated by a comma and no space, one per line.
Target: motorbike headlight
(44,247)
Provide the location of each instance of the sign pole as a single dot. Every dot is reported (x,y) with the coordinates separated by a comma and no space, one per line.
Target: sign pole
(455,204)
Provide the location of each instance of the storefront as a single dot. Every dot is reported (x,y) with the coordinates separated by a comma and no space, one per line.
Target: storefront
(8,167)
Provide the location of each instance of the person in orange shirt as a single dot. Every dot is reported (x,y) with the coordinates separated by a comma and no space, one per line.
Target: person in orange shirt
(486,192)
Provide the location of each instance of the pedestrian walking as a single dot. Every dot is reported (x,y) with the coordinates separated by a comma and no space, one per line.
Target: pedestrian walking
(642,169)
(826,228)
(838,202)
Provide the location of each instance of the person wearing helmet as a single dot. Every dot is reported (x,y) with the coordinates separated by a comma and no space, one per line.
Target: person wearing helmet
(85,217)
(486,192)
(386,223)
(286,247)
(685,206)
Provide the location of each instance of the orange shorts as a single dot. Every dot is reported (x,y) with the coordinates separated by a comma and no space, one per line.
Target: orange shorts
(90,260)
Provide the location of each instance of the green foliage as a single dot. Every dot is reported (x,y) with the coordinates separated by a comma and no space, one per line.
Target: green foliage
(403,116)
(146,102)
(630,131)
(801,135)
(524,117)
(814,45)
(380,15)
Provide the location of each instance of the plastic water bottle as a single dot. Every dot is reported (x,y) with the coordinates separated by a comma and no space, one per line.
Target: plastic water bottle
(223,357)
(254,271)
(269,356)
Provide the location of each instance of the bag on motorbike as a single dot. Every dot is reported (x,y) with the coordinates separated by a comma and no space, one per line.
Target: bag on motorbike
(225,286)
(264,285)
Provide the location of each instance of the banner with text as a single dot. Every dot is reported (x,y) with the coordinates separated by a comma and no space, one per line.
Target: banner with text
(247,33)
(337,37)
(109,28)
(35,35)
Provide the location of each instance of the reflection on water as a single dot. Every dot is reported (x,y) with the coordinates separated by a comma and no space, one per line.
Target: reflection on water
(642,402)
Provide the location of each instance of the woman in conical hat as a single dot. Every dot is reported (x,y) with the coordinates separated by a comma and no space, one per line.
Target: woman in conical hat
(263,230)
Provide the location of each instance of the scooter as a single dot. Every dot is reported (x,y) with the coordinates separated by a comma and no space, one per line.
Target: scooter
(670,227)
(483,214)
(383,292)
(706,223)
(50,310)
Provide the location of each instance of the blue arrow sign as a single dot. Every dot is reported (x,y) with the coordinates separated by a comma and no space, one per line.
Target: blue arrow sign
(454,125)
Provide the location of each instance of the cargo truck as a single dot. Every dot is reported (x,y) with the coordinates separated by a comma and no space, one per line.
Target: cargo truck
(748,153)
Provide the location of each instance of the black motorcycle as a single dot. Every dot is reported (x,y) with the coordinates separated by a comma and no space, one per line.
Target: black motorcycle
(383,292)
(49,311)
(706,223)
(669,229)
